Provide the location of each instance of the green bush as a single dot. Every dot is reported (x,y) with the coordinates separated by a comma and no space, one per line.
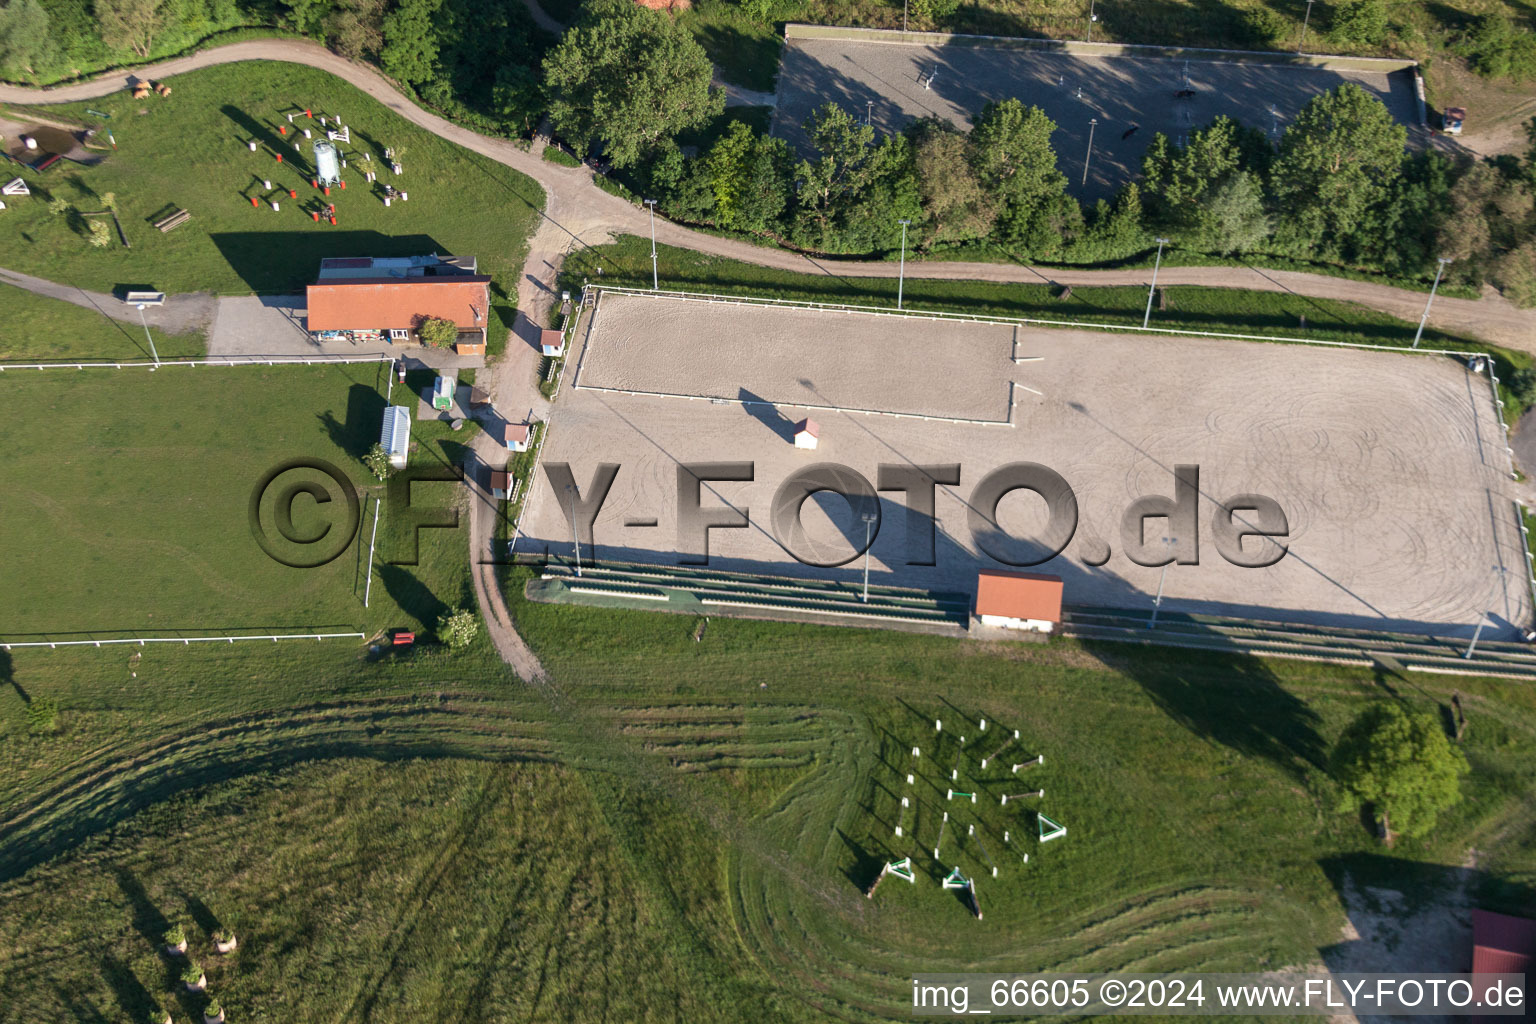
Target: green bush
(101,235)
(1498,49)
(192,973)
(438,333)
(556,155)
(377,461)
(1523,386)
(175,935)
(214,1007)
(42,716)
(458,628)
(1360,22)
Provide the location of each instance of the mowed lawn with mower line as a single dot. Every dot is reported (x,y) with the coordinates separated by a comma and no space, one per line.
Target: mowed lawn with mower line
(685,828)
(190,151)
(128,498)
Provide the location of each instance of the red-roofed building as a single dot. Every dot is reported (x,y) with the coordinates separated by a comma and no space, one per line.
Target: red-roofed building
(807,433)
(363,299)
(1501,944)
(1019,600)
(552,342)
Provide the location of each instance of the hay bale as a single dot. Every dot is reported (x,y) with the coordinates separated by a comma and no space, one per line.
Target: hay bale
(163,89)
(140,90)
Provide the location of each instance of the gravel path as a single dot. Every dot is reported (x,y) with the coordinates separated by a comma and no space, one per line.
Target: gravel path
(181,314)
(586,214)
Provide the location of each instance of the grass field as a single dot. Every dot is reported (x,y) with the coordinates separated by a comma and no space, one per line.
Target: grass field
(190,151)
(627,262)
(50,329)
(128,503)
(394,840)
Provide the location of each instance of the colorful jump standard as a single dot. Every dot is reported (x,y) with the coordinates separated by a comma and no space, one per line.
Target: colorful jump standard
(1049,829)
(955,880)
(900,868)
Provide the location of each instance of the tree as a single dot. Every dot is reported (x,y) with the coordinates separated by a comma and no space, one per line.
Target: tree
(438,333)
(101,235)
(1360,22)
(410,43)
(842,165)
(1401,764)
(1012,154)
(749,177)
(458,628)
(955,204)
(628,77)
(130,24)
(355,28)
(1232,217)
(24,40)
(377,461)
(1335,161)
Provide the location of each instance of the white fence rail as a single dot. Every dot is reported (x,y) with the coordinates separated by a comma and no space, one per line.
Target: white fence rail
(927,314)
(381,357)
(6,645)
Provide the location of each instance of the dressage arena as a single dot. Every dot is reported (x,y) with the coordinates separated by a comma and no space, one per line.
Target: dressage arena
(1131,97)
(1390,467)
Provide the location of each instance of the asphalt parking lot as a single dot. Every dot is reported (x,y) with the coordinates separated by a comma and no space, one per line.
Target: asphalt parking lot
(1131,98)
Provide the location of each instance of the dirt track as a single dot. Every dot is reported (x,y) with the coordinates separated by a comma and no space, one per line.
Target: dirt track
(580,213)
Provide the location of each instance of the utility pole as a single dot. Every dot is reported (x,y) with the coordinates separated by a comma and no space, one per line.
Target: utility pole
(1423,319)
(655,280)
(904,17)
(869,524)
(1152,288)
(156,356)
(575,540)
(1304,22)
(1157,602)
(1087,159)
(1089,37)
(901,275)
(869,113)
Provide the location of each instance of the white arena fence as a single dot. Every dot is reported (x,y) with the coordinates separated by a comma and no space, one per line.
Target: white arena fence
(6,645)
(926,314)
(922,314)
(315,360)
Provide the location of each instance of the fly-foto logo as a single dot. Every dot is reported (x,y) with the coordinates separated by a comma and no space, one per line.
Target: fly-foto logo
(1249,530)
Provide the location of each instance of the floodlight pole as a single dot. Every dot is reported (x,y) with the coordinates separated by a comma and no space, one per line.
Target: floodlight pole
(903,17)
(575,540)
(1303,44)
(1432,289)
(368,587)
(1088,157)
(655,279)
(901,276)
(1482,620)
(1157,602)
(151,341)
(869,524)
(1152,288)
(1089,37)
(869,113)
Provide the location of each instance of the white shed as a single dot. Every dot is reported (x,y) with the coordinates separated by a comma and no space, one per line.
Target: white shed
(396,435)
(807,433)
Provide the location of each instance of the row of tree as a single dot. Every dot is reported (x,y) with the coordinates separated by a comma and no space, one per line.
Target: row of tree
(1338,187)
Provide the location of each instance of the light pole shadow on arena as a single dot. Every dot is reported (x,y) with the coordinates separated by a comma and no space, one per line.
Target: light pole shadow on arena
(766,413)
